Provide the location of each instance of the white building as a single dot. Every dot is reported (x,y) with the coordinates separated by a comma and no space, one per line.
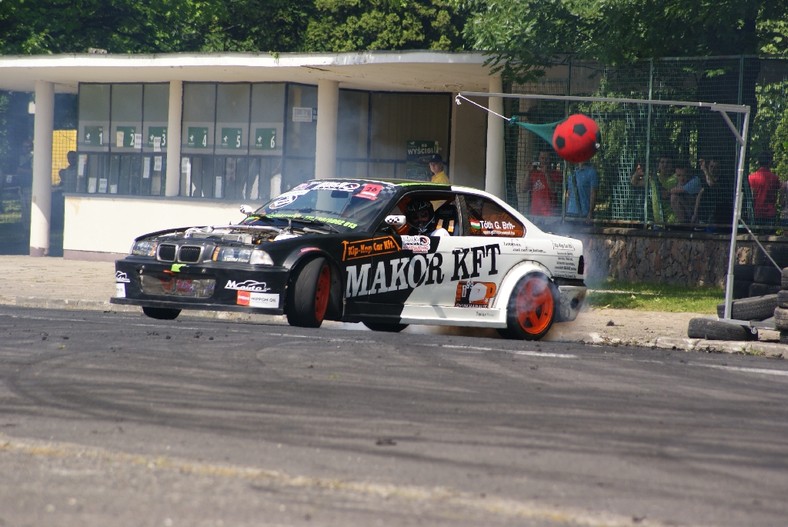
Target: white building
(184,139)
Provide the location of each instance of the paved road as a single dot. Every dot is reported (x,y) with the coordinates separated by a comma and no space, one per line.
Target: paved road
(76,284)
(109,418)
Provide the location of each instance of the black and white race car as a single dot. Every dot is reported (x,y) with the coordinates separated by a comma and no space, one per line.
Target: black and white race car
(383,253)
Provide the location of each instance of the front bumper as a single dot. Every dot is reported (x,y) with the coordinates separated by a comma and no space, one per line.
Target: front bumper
(206,286)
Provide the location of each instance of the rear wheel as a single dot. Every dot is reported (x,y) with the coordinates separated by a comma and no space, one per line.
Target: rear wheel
(310,292)
(384,326)
(530,312)
(161,313)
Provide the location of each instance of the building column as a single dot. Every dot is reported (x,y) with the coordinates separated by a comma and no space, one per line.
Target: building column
(41,196)
(175,110)
(327,112)
(494,174)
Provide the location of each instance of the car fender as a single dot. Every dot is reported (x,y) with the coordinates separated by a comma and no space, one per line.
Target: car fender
(512,277)
(301,256)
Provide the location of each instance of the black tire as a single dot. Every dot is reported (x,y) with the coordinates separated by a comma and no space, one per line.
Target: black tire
(767,274)
(755,308)
(778,253)
(531,309)
(385,326)
(161,313)
(781,318)
(710,329)
(309,295)
(784,278)
(782,298)
(741,288)
(744,272)
(783,337)
(759,289)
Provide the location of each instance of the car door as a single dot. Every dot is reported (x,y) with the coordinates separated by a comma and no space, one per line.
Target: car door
(399,265)
(471,264)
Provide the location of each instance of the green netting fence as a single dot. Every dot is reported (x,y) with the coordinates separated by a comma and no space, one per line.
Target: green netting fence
(657,138)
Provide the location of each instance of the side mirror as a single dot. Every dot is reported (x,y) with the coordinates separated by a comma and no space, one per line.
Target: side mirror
(247,210)
(396,220)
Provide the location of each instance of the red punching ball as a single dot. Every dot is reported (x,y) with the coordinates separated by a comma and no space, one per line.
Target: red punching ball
(577,138)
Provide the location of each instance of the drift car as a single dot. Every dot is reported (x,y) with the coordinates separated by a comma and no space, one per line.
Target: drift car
(344,249)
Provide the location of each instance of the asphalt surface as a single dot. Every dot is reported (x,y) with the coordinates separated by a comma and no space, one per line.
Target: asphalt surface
(59,283)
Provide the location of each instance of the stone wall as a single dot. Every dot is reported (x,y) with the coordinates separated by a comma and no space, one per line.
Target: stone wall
(674,257)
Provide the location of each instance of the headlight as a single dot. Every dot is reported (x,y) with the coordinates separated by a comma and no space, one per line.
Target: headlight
(232,254)
(260,258)
(144,248)
(242,255)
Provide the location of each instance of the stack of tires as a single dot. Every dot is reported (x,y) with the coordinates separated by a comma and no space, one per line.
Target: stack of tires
(755,280)
(757,290)
(781,311)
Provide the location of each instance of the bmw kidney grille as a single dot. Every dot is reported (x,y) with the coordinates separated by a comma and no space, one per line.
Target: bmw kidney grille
(170,252)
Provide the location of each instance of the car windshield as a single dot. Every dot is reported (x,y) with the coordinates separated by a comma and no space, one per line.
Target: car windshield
(343,204)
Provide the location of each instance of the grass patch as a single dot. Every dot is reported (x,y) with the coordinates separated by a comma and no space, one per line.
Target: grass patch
(656,297)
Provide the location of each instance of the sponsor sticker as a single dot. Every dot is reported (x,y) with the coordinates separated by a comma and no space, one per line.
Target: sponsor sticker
(247,285)
(369,247)
(474,294)
(370,191)
(285,199)
(417,244)
(120,290)
(253,299)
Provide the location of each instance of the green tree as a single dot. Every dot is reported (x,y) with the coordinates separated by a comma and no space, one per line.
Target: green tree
(353,25)
(29,27)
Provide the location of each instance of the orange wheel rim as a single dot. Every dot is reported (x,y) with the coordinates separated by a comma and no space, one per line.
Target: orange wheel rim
(535,306)
(322,292)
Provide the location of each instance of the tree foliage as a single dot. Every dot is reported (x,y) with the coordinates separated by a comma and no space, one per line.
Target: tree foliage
(30,27)
(355,25)
(525,36)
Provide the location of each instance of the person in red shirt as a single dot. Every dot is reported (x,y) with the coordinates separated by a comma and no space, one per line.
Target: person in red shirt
(543,185)
(764,185)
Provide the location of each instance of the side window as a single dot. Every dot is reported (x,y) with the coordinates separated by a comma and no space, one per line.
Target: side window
(434,214)
(484,217)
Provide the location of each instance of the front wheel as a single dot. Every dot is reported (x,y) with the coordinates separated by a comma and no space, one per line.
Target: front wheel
(161,313)
(310,291)
(530,312)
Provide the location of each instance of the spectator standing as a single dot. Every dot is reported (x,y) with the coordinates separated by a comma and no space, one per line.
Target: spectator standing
(683,196)
(581,191)
(638,182)
(764,186)
(659,184)
(710,199)
(541,185)
(437,168)
(68,175)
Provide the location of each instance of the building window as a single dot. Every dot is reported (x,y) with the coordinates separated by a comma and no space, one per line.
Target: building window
(121,142)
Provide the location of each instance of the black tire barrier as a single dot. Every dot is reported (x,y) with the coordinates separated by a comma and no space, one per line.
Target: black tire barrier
(711,329)
(744,272)
(782,298)
(767,274)
(741,288)
(753,308)
(781,318)
(760,289)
